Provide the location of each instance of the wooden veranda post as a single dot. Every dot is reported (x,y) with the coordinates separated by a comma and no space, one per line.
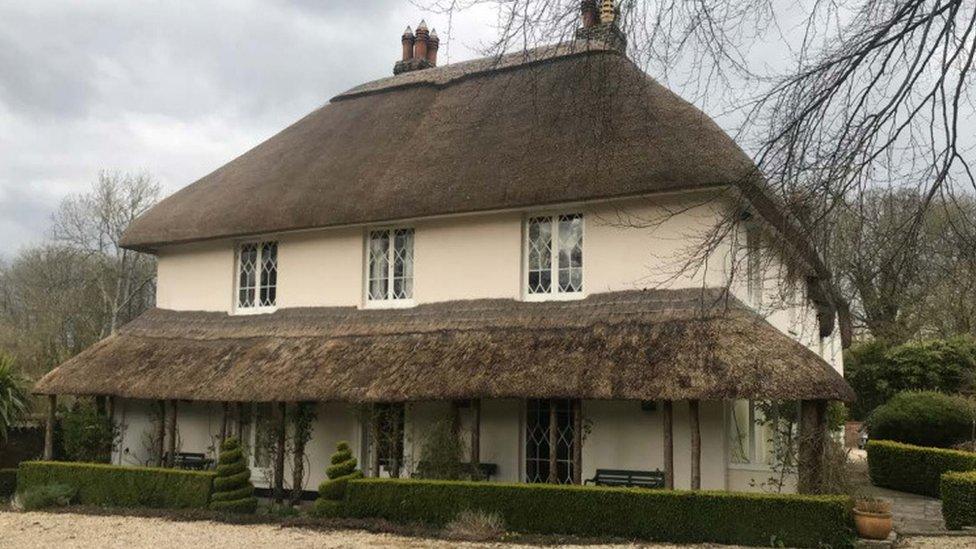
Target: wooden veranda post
(110,408)
(171,435)
(239,421)
(577,441)
(553,442)
(160,433)
(224,420)
(374,439)
(695,420)
(813,443)
(476,431)
(279,464)
(668,416)
(52,409)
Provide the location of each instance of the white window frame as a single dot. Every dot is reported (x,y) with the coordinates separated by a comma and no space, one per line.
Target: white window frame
(755,462)
(388,302)
(255,309)
(553,294)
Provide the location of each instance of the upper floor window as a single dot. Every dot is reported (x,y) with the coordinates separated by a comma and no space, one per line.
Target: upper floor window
(390,265)
(554,255)
(257,275)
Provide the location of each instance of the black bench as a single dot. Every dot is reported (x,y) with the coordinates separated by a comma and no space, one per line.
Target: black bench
(190,460)
(626,477)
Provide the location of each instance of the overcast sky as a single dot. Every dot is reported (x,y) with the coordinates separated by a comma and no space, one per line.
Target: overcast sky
(175,88)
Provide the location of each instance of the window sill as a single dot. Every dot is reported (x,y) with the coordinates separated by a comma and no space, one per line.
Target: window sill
(389,304)
(243,311)
(564,296)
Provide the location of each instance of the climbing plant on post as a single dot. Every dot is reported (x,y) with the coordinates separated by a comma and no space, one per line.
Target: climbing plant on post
(340,472)
(233,491)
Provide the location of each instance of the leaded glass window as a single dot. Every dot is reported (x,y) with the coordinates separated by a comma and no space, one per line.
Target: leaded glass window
(390,265)
(257,275)
(554,254)
(537,440)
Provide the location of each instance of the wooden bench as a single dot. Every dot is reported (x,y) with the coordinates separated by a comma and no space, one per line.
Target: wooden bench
(626,477)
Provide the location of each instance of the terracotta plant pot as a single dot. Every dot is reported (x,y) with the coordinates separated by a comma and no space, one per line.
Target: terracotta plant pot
(872,525)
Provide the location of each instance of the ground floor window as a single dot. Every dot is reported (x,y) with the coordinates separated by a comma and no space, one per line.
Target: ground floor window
(763,432)
(390,419)
(537,440)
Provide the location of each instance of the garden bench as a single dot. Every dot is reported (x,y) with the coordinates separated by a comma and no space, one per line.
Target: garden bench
(626,477)
(191,460)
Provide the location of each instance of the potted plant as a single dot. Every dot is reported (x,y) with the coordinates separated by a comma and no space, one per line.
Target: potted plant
(872,517)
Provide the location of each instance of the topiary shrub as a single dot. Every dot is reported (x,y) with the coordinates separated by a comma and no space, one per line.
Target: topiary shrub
(914,469)
(958,499)
(232,488)
(924,418)
(341,470)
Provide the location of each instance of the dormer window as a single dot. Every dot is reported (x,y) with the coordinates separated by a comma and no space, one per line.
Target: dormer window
(389,266)
(257,275)
(554,256)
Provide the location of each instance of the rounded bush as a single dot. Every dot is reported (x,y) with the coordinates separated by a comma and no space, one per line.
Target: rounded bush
(925,418)
(233,491)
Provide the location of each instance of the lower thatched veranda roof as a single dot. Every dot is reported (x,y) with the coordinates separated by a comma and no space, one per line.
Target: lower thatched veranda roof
(647,345)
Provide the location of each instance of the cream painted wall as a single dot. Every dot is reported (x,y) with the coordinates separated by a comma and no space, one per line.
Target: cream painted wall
(198,277)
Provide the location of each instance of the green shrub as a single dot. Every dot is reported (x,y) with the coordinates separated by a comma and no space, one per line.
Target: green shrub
(631,513)
(47,495)
(341,469)
(877,373)
(233,491)
(8,482)
(914,469)
(441,453)
(924,418)
(88,435)
(959,499)
(112,485)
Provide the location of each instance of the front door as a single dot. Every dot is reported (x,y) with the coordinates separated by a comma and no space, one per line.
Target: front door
(537,440)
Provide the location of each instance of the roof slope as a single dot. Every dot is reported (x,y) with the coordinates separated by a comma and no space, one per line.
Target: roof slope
(557,124)
(661,344)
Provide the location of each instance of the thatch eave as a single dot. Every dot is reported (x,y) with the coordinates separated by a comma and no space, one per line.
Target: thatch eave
(651,345)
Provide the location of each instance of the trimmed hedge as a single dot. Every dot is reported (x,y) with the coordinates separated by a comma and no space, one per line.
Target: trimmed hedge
(959,499)
(631,513)
(8,482)
(915,469)
(233,491)
(117,486)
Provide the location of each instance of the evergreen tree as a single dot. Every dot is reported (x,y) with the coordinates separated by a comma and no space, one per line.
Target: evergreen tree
(233,491)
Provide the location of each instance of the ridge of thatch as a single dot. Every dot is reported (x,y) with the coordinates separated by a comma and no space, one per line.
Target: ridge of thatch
(525,130)
(646,345)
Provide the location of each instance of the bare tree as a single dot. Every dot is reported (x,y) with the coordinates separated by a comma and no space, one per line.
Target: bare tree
(92,224)
(832,99)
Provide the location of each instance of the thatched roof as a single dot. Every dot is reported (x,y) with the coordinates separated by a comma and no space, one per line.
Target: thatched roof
(557,124)
(676,344)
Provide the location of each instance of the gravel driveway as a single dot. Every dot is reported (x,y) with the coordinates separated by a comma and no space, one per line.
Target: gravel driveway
(74,530)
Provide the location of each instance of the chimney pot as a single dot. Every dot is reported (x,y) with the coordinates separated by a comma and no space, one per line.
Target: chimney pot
(420,41)
(407,41)
(589,13)
(432,45)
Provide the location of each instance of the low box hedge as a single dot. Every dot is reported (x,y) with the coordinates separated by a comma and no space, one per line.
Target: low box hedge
(8,482)
(588,511)
(915,469)
(117,486)
(959,499)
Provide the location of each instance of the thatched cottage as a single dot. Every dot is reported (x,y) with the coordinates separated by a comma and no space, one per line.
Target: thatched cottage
(504,245)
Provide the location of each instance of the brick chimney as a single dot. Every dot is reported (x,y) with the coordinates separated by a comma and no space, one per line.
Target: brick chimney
(432,44)
(600,25)
(407,41)
(419,50)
